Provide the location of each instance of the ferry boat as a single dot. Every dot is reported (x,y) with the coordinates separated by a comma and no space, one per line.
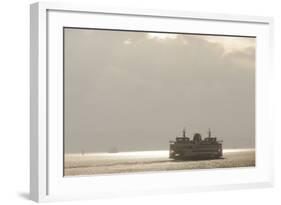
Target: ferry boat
(196,148)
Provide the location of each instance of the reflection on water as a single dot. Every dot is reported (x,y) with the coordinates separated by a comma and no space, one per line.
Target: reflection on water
(145,154)
(124,162)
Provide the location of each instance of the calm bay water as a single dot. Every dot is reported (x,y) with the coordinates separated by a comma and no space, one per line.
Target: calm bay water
(125,162)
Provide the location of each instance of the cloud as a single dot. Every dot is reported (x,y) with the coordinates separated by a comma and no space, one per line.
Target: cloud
(127,42)
(230,43)
(161,36)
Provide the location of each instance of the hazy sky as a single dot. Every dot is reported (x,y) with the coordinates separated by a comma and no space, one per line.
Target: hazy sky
(137,90)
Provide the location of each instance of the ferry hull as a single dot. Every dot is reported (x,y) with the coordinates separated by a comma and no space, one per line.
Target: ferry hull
(196,153)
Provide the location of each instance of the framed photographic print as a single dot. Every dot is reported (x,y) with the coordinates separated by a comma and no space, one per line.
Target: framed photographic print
(129,102)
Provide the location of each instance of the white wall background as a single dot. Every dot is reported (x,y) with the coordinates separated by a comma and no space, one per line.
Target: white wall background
(14,102)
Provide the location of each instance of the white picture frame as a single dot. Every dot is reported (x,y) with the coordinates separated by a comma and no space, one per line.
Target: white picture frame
(46,179)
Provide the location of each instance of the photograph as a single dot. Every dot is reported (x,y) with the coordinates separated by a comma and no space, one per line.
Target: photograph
(152,101)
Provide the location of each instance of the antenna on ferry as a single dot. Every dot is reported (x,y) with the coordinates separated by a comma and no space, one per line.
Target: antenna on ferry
(209,133)
(183,132)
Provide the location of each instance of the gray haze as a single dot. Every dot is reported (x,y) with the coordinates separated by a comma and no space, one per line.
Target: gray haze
(136,91)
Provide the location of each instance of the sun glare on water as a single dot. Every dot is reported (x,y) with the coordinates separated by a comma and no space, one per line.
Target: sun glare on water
(140,154)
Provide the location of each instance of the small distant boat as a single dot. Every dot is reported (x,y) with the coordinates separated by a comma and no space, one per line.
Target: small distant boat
(196,148)
(113,150)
